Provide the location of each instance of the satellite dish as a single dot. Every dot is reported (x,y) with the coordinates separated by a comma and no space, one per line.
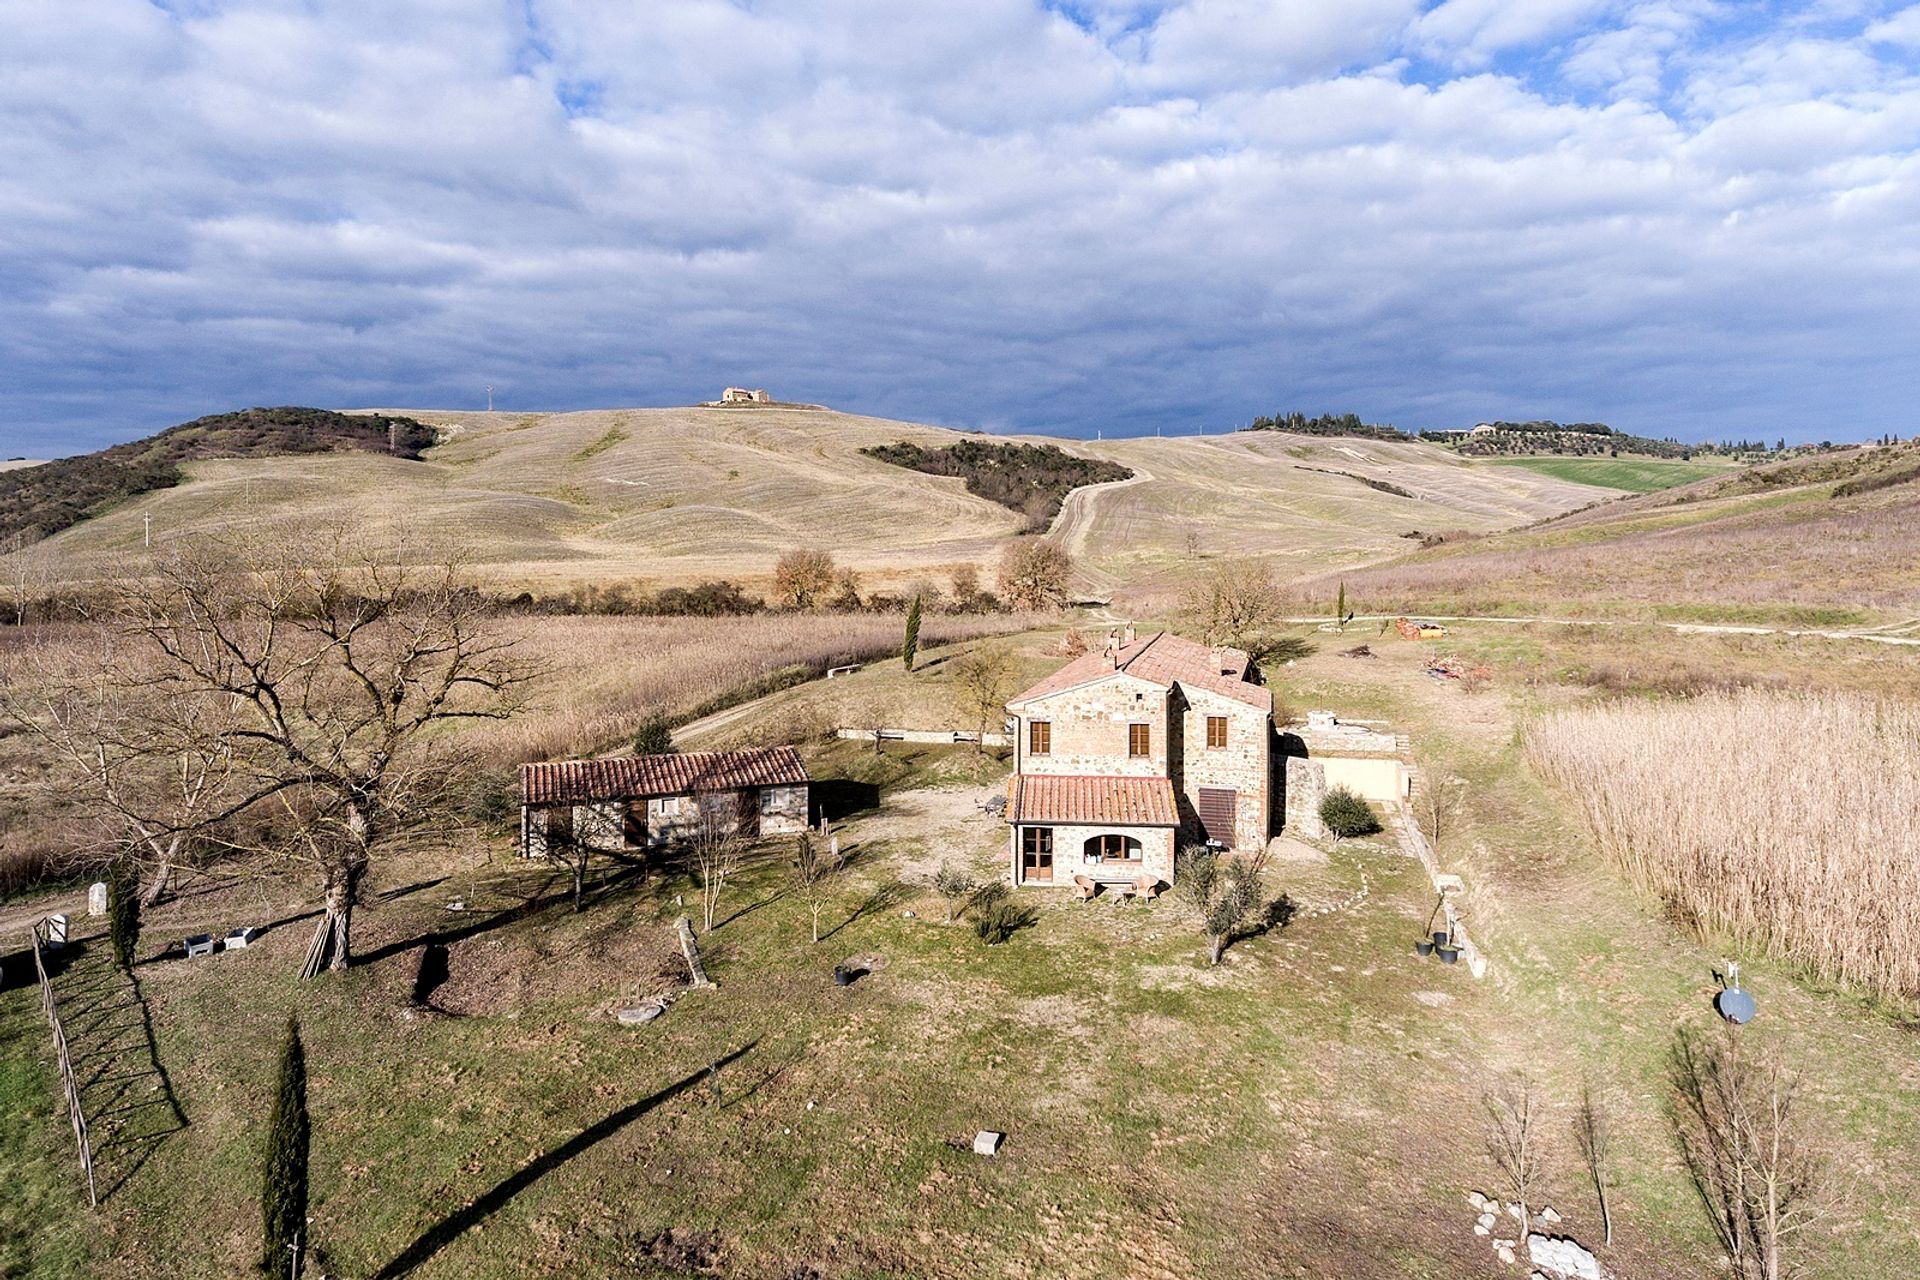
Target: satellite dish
(1736,1006)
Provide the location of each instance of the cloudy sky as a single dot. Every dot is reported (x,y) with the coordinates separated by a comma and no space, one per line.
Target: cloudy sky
(1677,216)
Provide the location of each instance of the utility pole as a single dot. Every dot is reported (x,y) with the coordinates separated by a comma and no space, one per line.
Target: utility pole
(148,517)
(489,397)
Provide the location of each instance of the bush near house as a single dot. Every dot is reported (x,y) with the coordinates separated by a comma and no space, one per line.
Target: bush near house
(1347,815)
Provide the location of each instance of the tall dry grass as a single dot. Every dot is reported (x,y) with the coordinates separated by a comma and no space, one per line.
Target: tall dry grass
(610,673)
(1788,821)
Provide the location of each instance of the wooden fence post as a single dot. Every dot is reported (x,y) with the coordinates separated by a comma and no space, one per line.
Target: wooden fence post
(68,1084)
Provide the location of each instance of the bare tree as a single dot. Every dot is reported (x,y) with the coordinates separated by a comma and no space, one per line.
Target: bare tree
(716,851)
(965,580)
(1593,1135)
(1742,1134)
(336,662)
(1237,604)
(155,767)
(817,865)
(801,577)
(983,680)
(1438,803)
(1513,1139)
(28,571)
(1034,574)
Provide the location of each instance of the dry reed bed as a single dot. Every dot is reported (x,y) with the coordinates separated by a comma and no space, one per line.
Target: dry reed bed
(610,674)
(1784,820)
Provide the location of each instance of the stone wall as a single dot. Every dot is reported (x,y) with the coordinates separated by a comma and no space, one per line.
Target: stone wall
(1306,787)
(1090,730)
(1244,765)
(1069,854)
(783,811)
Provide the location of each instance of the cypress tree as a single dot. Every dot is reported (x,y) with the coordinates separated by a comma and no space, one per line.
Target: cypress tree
(283,1195)
(123,912)
(912,646)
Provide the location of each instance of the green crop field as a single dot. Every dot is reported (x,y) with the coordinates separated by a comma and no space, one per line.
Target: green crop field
(1632,475)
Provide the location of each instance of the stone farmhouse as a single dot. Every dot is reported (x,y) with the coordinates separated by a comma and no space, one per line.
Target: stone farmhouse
(644,802)
(1126,754)
(745,395)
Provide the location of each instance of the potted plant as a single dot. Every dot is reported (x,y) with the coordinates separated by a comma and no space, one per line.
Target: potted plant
(1448,952)
(1423,948)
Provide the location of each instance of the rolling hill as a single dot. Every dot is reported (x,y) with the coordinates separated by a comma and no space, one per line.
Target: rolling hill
(674,495)
(1831,537)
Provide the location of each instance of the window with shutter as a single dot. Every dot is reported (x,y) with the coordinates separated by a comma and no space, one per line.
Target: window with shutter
(1039,737)
(1217,812)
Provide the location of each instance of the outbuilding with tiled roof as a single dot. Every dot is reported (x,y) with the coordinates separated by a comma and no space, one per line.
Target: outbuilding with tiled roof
(640,802)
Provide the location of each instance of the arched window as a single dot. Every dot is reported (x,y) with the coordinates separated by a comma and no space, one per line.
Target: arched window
(1112,848)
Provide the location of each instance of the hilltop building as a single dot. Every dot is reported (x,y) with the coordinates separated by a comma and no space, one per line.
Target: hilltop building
(744,395)
(1123,755)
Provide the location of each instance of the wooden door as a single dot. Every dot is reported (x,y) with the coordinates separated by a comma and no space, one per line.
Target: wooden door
(1036,855)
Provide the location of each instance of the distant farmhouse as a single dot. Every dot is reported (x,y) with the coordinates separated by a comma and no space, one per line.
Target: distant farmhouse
(742,395)
(642,802)
(1125,754)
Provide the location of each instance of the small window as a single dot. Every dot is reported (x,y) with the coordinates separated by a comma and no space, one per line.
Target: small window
(1216,731)
(1111,848)
(1139,740)
(1039,737)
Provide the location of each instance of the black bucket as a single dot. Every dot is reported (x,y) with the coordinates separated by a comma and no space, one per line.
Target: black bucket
(1423,948)
(1448,955)
(844,975)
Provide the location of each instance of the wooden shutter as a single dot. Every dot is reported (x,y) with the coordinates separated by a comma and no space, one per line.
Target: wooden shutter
(1216,813)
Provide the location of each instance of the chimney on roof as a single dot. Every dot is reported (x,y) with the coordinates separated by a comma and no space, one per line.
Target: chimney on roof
(1220,660)
(1113,650)
(1129,633)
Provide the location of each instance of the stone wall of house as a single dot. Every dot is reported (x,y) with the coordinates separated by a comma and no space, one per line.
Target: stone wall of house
(783,810)
(1069,854)
(1244,765)
(1306,787)
(600,827)
(1090,729)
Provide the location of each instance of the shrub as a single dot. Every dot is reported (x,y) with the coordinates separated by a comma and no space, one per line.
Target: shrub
(997,916)
(1347,815)
(655,737)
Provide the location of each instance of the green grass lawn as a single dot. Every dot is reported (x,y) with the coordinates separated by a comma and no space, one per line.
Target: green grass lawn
(1632,475)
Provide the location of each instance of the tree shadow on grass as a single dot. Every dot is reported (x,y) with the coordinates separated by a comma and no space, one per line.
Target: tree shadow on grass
(125,1090)
(544,896)
(879,900)
(451,1227)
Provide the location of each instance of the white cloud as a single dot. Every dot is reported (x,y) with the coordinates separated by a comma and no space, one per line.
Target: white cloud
(973,213)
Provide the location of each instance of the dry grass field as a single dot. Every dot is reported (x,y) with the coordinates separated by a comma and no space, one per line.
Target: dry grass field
(674,495)
(1783,821)
(1778,542)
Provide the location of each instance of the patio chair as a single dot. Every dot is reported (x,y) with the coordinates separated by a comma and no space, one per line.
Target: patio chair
(1085,888)
(1148,887)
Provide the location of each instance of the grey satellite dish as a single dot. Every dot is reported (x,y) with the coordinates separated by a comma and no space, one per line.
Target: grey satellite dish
(1734,1002)
(1736,1006)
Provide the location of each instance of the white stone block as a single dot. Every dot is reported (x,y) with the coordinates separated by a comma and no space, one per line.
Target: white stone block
(987,1142)
(97,898)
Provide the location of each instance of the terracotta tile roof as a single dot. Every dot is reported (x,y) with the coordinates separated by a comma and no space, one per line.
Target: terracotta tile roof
(1077,800)
(635,777)
(1163,659)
